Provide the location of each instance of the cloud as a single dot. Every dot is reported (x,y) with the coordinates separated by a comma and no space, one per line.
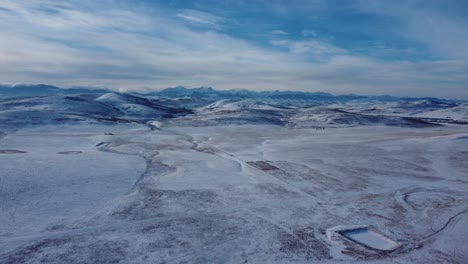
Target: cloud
(201,18)
(279,32)
(436,24)
(313,47)
(309,33)
(133,46)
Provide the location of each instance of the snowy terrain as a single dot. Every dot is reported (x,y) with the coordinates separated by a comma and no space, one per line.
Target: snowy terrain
(200,176)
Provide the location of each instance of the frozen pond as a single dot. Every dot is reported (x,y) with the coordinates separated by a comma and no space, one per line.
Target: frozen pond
(370,238)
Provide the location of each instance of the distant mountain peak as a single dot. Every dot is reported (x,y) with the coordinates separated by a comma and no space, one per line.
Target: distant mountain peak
(211,94)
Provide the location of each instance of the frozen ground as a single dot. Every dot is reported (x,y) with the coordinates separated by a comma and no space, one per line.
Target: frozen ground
(231,177)
(231,194)
(54,174)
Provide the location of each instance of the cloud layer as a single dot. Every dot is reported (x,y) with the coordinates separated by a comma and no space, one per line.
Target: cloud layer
(134,45)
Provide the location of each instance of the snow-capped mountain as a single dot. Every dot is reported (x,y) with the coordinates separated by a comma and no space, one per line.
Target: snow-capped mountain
(73,108)
(39,104)
(25,90)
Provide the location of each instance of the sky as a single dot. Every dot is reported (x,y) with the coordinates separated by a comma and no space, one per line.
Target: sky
(367,47)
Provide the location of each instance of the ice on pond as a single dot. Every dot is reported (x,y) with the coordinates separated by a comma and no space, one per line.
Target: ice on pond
(370,238)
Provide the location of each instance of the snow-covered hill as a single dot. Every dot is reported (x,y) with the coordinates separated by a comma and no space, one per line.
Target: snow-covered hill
(231,177)
(207,107)
(458,112)
(77,108)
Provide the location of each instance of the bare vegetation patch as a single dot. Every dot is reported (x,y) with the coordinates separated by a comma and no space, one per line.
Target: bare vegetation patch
(11,151)
(262,165)
(70,152)
(303,242)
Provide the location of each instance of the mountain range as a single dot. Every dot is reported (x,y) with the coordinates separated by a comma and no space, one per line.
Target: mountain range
(25,105)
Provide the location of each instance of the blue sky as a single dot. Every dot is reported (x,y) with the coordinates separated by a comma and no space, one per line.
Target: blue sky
(370,47)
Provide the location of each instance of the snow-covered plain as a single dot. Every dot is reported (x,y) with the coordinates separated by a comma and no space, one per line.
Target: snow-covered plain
(184,190)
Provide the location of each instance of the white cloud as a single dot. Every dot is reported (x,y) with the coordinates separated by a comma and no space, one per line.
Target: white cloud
(133,48)
(279,32)
(201,18)
(427,22)
(313,47)
(309,33)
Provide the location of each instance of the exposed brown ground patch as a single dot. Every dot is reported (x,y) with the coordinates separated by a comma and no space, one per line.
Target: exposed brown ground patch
(11,151)
(70,152)
(262,165)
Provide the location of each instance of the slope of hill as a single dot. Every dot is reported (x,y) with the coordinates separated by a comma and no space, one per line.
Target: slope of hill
(39,104)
